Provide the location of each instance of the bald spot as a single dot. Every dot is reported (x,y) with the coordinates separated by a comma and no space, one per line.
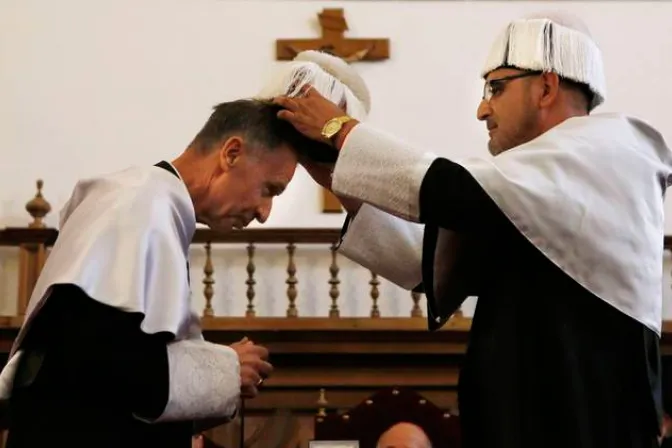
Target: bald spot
(404,435)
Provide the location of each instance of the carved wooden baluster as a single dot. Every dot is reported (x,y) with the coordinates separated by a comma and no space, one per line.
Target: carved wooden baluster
(322,404)
(334,281)
(208,281)
(291,282)
(416,311)
(250,282)
(32,256)
(375,312)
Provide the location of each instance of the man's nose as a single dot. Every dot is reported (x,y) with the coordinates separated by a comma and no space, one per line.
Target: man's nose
(483,111)
(264,210)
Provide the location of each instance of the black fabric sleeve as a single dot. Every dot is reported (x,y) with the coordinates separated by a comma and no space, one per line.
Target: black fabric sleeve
(104,350)
(451,198)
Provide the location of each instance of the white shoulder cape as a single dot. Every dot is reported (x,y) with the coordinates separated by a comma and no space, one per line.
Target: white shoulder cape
(124,240)
(588,194)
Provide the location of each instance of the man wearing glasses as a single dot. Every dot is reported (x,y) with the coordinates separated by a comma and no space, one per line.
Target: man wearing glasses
(559,236)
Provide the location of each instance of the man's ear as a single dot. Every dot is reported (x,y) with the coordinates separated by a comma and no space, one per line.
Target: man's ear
(551,89)
(230,152)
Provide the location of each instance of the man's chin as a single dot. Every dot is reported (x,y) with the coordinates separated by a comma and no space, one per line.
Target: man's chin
(223,226)
(227,225)
(240,224)
(493,148)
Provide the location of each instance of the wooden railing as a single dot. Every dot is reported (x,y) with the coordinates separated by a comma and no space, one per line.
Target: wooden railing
(35,240)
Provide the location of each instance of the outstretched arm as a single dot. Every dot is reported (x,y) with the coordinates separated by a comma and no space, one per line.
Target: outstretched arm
(381,170)
(420,195)
(389,246)
(389,174)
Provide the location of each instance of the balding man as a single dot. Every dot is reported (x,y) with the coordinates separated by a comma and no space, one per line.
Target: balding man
(404,435)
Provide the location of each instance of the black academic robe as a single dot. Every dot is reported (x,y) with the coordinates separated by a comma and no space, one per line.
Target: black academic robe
(96,369)
(88,370)
(548,364)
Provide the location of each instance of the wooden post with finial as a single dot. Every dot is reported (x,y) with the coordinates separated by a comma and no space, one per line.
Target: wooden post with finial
(32,256)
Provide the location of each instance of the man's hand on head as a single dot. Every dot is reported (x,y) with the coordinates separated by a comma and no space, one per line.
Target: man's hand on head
(309,112)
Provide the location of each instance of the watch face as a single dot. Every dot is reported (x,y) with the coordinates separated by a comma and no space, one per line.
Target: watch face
(331,128)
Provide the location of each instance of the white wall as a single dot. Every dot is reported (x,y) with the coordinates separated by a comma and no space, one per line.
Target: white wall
(92,86)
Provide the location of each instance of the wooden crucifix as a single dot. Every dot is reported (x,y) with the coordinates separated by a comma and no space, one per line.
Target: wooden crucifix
(333,41)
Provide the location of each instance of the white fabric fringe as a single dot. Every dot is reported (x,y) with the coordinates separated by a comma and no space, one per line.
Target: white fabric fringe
(541,44)
(332,77)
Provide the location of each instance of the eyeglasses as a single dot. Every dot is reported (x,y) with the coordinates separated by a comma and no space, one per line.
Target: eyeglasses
(494,86)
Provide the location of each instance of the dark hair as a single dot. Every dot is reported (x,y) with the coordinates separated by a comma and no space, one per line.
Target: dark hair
(257,122)
(582,91)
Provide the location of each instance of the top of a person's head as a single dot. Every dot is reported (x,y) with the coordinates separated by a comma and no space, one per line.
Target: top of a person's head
(555,42)
(404,435)
(255,121)
(241,159)
(330,75)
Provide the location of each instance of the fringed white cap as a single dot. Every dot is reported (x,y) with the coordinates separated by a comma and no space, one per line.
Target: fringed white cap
(331,76)
(552,42)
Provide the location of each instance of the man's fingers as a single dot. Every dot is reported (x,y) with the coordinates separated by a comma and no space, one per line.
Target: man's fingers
(237,345)
(286,102)
(258,350)
(263,368)
(249,375)
(286,115)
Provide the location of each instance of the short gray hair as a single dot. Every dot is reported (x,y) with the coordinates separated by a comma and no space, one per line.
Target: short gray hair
(255,120)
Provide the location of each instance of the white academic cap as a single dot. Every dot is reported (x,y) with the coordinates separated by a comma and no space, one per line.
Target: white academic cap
(555,42)
(331,76)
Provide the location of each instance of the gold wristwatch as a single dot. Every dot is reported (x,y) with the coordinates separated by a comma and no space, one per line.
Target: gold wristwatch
(334,125)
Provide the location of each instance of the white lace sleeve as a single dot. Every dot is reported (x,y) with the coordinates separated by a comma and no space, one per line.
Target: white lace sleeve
(378,169)
(204,381)
(385,244)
